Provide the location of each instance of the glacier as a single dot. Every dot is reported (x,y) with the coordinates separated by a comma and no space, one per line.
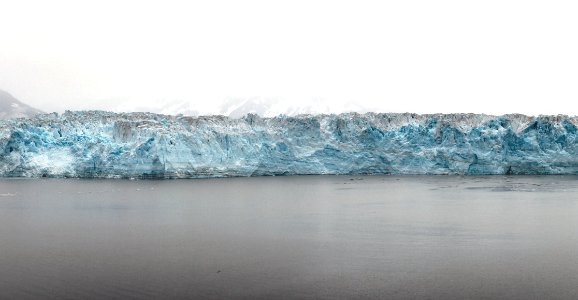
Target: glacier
(98,144)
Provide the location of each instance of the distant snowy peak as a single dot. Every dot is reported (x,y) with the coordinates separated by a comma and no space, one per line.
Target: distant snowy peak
(237,108)
(11,108)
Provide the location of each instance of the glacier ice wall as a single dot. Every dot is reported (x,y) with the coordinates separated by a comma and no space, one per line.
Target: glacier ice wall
(145,145)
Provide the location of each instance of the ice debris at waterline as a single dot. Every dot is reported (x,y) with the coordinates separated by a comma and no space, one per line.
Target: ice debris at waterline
(146,145)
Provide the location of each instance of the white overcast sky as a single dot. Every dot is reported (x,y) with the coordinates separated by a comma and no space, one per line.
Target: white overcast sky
(395,56)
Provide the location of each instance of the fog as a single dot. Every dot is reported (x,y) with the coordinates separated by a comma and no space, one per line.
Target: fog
(195,57)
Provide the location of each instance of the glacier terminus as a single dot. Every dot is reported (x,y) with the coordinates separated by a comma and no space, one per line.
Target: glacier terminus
(98,144)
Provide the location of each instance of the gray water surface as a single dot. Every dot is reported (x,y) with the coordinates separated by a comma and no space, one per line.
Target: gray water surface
(306,237)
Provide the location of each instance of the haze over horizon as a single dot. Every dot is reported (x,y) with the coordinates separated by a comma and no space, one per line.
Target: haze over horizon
(494,57)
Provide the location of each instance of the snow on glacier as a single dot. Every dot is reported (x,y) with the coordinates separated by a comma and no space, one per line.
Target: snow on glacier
(146,145)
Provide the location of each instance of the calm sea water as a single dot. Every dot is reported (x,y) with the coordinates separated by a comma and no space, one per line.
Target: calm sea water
(308,237)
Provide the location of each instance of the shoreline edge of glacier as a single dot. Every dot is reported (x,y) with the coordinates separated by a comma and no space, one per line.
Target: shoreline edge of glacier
(99,144)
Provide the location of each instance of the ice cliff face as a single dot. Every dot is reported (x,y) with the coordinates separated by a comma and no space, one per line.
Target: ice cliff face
(144,145)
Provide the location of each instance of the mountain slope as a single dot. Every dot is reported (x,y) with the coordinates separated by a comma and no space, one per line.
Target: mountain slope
(145,145)
(11,108)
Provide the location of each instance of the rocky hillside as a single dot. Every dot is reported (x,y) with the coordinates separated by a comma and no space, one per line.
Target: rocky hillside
(11,108)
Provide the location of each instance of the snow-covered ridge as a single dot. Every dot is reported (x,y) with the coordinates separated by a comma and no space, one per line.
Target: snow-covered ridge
(146,145)
(11,108)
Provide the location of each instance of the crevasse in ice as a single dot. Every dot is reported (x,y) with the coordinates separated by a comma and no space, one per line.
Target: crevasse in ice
(146,145)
